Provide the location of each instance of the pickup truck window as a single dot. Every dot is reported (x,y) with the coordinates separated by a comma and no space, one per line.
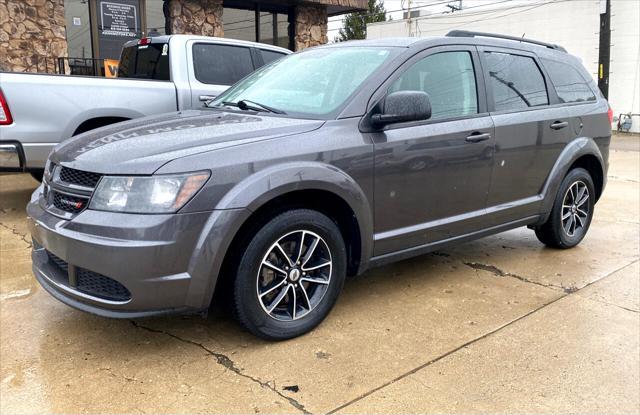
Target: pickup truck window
(221,64)
(145,62)
(269,56)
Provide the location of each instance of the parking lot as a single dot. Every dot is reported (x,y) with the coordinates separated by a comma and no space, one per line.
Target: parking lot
(499,324)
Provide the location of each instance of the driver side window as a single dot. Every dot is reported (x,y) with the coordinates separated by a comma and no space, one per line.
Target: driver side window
(448,79)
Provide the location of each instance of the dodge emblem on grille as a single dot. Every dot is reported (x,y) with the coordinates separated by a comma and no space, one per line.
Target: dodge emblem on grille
(71,203)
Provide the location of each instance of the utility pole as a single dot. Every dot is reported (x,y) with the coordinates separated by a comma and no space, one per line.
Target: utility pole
(604,50)
(409,14)
(455,8)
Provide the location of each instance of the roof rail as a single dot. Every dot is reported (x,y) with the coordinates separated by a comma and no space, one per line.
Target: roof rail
(465,33)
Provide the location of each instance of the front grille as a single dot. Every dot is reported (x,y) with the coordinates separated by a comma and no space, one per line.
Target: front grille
(78,177)
(98,285)
(88,282)
(57,262)
(68,203)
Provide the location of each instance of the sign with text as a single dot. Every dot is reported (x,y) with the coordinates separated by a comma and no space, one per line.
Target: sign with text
(118,22)
(111,68)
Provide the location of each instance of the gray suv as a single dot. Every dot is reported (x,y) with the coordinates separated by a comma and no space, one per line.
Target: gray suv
(318,166)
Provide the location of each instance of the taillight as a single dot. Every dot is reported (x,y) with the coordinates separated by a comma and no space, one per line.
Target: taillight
(5,114)
(144,41)
(610,113)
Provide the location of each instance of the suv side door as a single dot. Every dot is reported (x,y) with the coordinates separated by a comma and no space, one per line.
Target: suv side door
(214,67)
(432,176)
(529,131)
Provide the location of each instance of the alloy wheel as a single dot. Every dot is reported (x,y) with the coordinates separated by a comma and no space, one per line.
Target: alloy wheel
(294,275)
(575,208)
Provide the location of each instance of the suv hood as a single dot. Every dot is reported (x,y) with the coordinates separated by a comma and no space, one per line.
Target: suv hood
(143,145)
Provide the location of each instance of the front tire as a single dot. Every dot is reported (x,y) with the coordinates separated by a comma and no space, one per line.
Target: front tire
(572,212)
(290,275)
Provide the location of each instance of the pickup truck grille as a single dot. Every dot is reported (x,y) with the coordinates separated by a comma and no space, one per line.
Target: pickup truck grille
(67,191)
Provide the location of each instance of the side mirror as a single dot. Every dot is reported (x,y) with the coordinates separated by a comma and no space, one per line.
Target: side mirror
(403,106)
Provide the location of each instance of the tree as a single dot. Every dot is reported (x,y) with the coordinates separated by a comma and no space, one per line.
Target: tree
(355,24)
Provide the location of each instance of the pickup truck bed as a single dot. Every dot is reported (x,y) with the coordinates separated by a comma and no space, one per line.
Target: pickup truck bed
(157,75)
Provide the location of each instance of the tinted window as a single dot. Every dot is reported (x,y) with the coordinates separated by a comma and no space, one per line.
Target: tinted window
(449,80)
(269,56)
(569,84)
(221,64)
(516,81)
(145,62)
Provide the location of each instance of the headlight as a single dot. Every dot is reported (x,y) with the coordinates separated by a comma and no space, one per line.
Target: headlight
(152,194)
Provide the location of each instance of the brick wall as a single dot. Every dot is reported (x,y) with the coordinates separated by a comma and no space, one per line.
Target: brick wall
(311,26)
(196,17)
(32,32)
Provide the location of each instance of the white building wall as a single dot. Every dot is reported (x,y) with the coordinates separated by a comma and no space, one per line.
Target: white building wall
(572,24)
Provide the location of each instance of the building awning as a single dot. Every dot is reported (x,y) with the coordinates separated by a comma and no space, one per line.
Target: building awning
(335,7)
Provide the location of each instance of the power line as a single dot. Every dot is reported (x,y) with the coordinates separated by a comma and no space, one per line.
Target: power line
(445,12)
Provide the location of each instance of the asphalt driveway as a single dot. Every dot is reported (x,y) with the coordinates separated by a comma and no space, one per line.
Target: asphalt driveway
(499,324)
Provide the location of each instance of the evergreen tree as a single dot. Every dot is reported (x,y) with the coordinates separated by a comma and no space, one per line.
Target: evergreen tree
(355,24)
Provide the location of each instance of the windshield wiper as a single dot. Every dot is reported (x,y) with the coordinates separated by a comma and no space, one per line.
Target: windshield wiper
(245,104)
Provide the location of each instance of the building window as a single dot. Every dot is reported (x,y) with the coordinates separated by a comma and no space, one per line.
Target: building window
(76,13)
(155,19)
(239,24)
(256,22)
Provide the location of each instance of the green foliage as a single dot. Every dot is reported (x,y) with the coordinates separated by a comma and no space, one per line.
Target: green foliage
(355,24)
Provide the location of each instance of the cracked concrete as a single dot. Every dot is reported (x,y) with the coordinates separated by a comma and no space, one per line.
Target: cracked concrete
(500,273)
(497,325)
(229,364)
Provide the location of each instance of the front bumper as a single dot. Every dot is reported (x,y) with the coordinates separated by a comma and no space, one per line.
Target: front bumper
(155,257)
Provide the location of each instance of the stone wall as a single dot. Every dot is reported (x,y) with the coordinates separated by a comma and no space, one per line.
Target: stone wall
(196,17)
(311,26)
(32,35)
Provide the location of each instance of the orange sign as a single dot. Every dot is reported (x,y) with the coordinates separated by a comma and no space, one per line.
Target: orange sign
(111,68)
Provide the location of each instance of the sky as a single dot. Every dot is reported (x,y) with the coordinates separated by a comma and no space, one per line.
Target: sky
(335,23)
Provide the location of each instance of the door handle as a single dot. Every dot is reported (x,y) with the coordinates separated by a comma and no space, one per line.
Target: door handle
(477,136)
(558,125)
(205,98)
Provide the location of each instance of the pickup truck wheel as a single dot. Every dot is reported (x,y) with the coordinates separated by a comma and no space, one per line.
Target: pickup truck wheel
(290,275)
(572,211)
(37,174)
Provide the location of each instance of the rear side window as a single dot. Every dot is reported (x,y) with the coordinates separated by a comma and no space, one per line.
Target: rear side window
(448,79)
(221,64)
(145,62)
(516,82)
(569,83)
(269,56)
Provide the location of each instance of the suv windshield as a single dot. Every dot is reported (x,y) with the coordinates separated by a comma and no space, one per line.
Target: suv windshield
(311,83)
(145,62)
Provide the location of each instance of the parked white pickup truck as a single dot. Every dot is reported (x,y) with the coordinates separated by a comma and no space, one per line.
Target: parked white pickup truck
(156,75)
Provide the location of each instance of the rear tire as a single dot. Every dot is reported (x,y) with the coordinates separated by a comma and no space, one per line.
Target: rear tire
(572,212)
(305,259)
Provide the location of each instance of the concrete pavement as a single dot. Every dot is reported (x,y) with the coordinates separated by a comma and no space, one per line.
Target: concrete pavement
(501,324)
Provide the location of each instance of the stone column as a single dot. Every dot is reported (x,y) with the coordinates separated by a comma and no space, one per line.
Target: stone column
(32,35)
(311,26)
(196,17)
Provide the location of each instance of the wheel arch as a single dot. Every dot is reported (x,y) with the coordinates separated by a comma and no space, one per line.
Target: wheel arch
(97,122)
(309,185)
(581,152)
